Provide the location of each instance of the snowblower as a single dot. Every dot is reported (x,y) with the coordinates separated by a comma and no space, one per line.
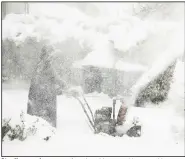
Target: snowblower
(103,120)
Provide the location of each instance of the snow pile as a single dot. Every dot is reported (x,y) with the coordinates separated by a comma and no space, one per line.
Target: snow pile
(20,125)
(27,126)
(149,119)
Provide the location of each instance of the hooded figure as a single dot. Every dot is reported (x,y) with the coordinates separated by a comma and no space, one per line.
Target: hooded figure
(122,114)
(43,89)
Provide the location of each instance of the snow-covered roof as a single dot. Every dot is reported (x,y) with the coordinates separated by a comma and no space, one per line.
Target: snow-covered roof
(120,65)
(107,59)
(128,67)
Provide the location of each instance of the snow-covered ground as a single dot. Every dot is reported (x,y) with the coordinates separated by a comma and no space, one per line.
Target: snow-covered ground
(162,128)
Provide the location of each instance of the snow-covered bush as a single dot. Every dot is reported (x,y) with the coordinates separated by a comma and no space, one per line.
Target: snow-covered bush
(16,132)
(156,91)
(25,127)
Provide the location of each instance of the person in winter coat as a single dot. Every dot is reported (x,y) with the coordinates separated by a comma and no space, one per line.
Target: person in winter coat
(43,89)
(122,114)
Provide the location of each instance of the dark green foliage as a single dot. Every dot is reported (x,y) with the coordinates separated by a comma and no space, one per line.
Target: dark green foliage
(19,61)
(17,132)
(42,93)
(5,130)
(157,90)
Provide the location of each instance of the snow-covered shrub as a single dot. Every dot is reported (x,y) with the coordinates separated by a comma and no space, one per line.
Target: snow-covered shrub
(14,133)
(25,127)
(156,90)
(5,127)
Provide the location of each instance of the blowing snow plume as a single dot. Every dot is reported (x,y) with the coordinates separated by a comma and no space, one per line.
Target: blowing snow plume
(155,83)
